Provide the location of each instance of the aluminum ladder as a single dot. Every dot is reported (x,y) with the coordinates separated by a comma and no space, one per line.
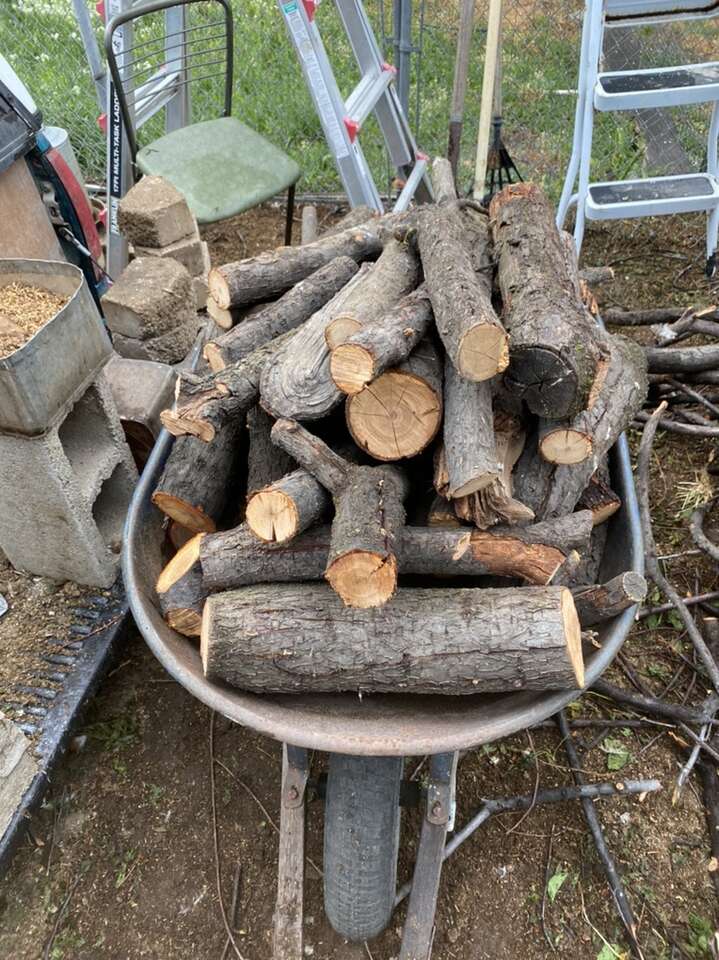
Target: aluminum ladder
(633,90)
(375,93)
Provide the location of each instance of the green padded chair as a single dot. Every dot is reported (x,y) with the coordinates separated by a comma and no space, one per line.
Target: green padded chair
(221,166)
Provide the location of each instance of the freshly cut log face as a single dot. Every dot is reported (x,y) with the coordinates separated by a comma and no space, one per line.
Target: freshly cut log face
(181,591)
(399,413)
(606,600)
(559,444)
(599,496)
(300,639)
(286,507)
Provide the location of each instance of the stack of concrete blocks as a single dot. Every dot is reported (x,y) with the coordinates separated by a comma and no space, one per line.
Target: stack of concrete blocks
(66,472)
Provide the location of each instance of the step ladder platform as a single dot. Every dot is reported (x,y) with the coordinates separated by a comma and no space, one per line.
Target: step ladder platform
(652,197)
(662,87)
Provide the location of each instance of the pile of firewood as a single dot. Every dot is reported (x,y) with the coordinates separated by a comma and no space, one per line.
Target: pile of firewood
(453,491)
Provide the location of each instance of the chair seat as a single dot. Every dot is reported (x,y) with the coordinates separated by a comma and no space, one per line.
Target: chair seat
(222,167)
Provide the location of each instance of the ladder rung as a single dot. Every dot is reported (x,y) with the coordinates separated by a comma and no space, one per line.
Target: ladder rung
(361,102)
(690,193)
(662,87)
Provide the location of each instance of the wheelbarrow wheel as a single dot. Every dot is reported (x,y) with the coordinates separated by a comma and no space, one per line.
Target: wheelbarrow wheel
(362,816)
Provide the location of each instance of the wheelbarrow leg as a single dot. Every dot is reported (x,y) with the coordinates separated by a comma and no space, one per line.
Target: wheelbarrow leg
(287,940)
(418,927)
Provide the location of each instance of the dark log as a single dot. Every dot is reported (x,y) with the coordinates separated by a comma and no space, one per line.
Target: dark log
(619,391)
(270,274)
(195,486)
(603,601)
(379,346)
(400,412)
(282,510)
(535,554)
(680,360)
(676,712)
(554,348)
(642,318)
(392,277)
(301,639)
(181,591)
(585,571)
(357,216)
(475,340)
(599,496)
(287,313)
(674,426)
(467,460)
(265,463)
(440,513)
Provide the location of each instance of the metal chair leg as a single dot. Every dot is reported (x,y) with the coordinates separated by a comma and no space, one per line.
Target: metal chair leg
(287,938)
(565,200)
(290,214)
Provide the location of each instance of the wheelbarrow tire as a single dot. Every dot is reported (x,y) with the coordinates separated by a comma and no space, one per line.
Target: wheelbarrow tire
(362,818)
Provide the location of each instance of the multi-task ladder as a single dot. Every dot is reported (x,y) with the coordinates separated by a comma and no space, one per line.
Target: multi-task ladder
(375,93)
(634,90)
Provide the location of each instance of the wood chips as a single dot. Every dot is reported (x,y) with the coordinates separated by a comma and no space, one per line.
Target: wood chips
(23,310)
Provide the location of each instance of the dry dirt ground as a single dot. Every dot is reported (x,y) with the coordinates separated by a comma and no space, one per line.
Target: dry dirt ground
(120,863)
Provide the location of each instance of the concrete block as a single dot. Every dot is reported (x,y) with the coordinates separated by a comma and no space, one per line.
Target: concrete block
(151,296)
(154,214)
(17,769)
(191,252)
(200,291)
(171,347)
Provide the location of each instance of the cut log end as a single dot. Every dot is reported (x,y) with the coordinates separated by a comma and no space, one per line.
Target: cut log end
(363,579)
(222,316)
(219,290)
(189,516)
(483,352)
(272,516)
(187,622)
(212,352)
(545,381)
(396,416)
(340,329)
(565,445)
(352,367)
(573,633)
(180,426)
(183,561)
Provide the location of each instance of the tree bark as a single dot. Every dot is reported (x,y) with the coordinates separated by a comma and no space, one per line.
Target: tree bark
(535,554)
(400,412)
(279,512)
(599,497)
(299,639)
(554,349)
(287,313)
(196,484)
(270,274)
(225,319)
(443,181)
(181,591)
(682,359)
(265,463)
(474,339)
(441,514)
(392,277)
(378,346)
(606,600)
(357,216)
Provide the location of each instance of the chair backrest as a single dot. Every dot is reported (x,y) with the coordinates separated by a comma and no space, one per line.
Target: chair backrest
(634,11)
(147,73)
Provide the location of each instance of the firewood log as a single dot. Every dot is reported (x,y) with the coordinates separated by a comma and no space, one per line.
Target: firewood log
(586,571)
(467,460)
(441,514)
(475,340)
(265,463)
(443,184)
(682,359)
(270,274)
(236,558)
(383,344)
(180,589)
(283,509)
(196,484)
(599,496)
(225,319)
(300,639)
(400,412)
(369,515)
(291,310)
(392,277)
(603,601)
(554,340)
(356,217)
(618,392)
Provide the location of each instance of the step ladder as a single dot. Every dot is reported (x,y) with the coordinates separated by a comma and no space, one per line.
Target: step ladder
(607,91)
(375,93)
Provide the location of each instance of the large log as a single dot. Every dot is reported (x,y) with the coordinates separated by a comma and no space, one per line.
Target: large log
(603,601)
(535,554)
(554,339)
(181,591)
(355,217)
(400,412)
(291,310)
(392,277)
(196,484)
(473,337)
(286,507)
(265,463)
(378,346)
(270,274)
(225,319)
(300,639)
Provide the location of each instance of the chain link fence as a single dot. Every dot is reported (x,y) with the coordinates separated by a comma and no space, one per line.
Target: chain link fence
(41,40)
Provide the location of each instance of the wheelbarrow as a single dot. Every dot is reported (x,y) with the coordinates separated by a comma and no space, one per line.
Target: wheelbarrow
(367,740)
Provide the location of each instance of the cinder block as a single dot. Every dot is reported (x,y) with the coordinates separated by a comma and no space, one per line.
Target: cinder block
(201,291)
(171,347)
(191,252)
(151,297)
(154,214)
(65,494)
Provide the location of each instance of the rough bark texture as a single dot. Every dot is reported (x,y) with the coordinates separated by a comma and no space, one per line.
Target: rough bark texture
(353,218)
(599,496)
(286,507)
(682,359)
(235,558)
(400,412)
(181,591)
(378,346)
(606,600)
(269,274)
(586,572)
(265,463)
(474,339)
(196,483)
(312,453)
(554,350)
(291,310)
(468,459)
(288,639)
(394,275)
(440,513)
(443,181)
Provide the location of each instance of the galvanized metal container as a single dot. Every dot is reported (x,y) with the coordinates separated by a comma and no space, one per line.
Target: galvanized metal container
(40,382)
